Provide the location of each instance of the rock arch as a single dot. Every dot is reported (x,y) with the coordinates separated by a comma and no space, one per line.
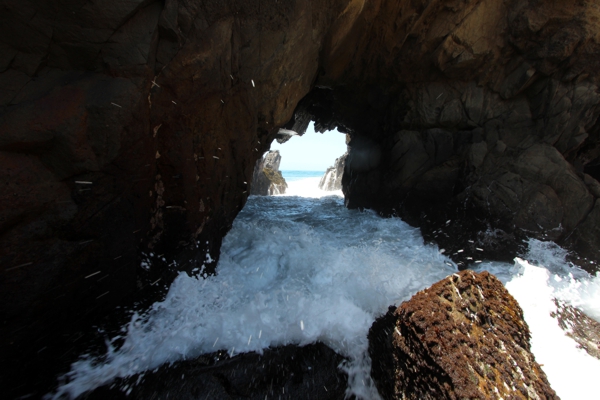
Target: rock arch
(131,128)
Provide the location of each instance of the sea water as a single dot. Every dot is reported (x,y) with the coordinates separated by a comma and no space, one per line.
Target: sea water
(306,184)
(295,176)
(300,268)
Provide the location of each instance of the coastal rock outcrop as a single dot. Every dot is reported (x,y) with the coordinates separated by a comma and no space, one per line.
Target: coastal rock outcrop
(332,179)
(267,179)
(464,337)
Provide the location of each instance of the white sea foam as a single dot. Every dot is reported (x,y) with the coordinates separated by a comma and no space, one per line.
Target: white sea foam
(285,261)
(570,370)
(308,187)
(301,270)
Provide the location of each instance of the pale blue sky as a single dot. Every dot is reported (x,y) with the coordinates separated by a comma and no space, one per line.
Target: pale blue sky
(312,151)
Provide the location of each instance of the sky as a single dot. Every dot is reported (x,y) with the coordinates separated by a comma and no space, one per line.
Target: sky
(312,151)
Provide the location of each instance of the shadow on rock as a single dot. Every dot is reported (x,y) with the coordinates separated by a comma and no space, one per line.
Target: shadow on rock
(288,372)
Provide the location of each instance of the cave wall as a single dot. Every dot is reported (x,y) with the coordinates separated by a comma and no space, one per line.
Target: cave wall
(480,113)
(129,130)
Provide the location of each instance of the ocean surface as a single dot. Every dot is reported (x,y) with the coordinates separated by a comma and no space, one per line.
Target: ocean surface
(294,176)
(300,268)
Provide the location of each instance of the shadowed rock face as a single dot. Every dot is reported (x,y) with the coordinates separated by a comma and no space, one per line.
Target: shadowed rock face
(286,372)
(128,129)
(482,114)
(464,337)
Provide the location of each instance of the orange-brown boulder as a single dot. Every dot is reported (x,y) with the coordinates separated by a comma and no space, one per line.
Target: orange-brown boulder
(464,337)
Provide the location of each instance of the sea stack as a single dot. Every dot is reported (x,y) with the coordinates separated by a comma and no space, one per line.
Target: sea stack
(267,179)
(332,179)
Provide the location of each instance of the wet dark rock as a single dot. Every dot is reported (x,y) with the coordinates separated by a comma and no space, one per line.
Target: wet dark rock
(463,337)
(364,155)
(288,372)
(510,172)
(267,179)
(332,179)
(468,236)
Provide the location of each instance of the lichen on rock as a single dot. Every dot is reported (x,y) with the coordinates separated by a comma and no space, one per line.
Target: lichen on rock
(580,327)
(463,337)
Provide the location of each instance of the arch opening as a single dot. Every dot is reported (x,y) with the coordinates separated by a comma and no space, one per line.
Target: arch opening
(312,162)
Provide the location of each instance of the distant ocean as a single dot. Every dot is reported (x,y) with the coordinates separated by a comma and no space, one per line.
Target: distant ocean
(291,176)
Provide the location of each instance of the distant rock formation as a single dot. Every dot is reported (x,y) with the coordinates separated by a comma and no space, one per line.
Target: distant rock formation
(332,180)
(267,180)
(464,337)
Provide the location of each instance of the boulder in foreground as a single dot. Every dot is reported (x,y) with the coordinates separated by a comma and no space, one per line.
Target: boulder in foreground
(464,337)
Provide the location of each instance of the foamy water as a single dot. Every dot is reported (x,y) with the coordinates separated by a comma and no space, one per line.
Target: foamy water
(571,371)
(306,187)
(305,269)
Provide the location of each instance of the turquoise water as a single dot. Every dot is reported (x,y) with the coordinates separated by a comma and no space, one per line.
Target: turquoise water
(291,176)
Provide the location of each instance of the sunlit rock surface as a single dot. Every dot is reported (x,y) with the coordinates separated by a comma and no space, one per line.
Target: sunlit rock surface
(463,337)
(267,179)
(332,179)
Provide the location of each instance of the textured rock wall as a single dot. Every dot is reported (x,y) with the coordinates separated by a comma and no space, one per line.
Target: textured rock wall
(464,337)
(483,113)
(127,131)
